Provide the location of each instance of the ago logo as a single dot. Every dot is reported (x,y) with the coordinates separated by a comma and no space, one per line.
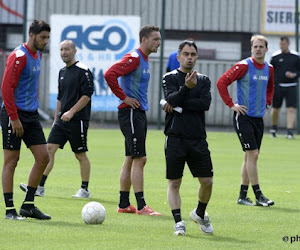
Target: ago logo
(113,36)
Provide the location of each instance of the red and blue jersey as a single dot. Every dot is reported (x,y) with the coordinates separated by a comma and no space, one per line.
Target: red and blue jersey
(26,92)
(20,81)
(255,85)
(135,84)
(252,89)
(133,70)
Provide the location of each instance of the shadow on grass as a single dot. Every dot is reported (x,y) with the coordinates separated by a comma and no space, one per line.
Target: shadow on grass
(54,223)
(219,238)
(87,200)
(281,209)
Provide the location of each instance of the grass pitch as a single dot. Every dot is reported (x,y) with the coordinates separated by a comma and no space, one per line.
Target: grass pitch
(235,226)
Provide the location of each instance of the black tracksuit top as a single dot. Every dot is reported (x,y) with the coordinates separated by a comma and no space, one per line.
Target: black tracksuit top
(74,82)
(190,124)
(283,62)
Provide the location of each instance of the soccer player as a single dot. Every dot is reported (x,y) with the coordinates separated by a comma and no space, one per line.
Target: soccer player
(72,115)
(255,87)
(172,61)
(186,135)
(133,70)
(286,65)
(20,119)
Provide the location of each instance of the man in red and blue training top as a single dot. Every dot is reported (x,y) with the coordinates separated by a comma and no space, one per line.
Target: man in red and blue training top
(133,70)
(255,79)
(173,63)
(20,119)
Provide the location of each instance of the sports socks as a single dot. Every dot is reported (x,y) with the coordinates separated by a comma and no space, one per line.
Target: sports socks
(243,191)
(200,211)
(124,199)
(256,191)
(176,215)
(140,200)
(43,180)
(9,202)
(29,198)
(85,185)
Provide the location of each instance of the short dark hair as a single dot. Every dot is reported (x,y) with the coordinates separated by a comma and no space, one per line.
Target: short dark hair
(147,30)
(285,38)
(189,43)
(37,26)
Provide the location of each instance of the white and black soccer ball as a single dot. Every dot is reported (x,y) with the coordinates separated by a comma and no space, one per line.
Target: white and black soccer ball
(93,213)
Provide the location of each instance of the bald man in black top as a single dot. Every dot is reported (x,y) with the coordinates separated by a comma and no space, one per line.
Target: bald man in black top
(72,115)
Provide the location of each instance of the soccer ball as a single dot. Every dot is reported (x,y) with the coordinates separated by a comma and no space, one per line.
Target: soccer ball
(93,213)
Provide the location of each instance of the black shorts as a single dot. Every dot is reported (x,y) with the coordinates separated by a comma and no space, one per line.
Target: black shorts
(74,131)
(250,131)
(133,124)
(287,93)
(33,131)
(194,152)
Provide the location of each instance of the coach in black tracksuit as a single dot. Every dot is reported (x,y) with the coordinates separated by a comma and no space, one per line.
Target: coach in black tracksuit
(186,136)
(286,65)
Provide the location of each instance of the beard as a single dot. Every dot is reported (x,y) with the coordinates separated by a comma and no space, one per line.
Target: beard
(36,46)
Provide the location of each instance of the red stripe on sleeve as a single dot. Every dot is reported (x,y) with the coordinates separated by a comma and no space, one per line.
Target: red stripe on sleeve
(127,64)
(234,73)
(270,86)
(14,67)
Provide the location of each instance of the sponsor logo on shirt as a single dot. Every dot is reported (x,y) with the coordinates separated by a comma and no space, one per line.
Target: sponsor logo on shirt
(256,77)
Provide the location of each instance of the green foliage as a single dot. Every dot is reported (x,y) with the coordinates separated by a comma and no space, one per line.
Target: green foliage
(235,226)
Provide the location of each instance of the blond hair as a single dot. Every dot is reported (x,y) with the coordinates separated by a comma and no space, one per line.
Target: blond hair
(259,37)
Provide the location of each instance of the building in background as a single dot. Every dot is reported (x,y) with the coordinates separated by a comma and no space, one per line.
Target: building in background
(221,29)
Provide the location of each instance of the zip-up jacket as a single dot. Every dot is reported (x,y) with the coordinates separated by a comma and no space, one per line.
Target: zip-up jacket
(283,62)
(190,124)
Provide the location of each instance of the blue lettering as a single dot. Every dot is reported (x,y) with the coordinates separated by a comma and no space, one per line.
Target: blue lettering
(80,37)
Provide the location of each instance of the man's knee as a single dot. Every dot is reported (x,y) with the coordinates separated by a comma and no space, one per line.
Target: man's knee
(11,162)
(52,148)
(206,182)
(141,160)
(175,184)
(81,156)
(252,154)
(44,159)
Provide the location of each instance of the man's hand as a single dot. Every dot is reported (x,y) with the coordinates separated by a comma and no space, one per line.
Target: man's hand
(17,128)
(240,109)
(191,80)
(67,116)
(132,102)
(168,108)
(290,74)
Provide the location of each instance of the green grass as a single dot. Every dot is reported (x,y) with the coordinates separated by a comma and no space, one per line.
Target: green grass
(235,227)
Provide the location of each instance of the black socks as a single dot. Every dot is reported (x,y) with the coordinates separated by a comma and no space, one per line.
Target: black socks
(140,200)
(176,215)
(256,191)
(43,180)
(85,185)
(29,198)
(9,202)
(200,211)
(243,191)
(124,199)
